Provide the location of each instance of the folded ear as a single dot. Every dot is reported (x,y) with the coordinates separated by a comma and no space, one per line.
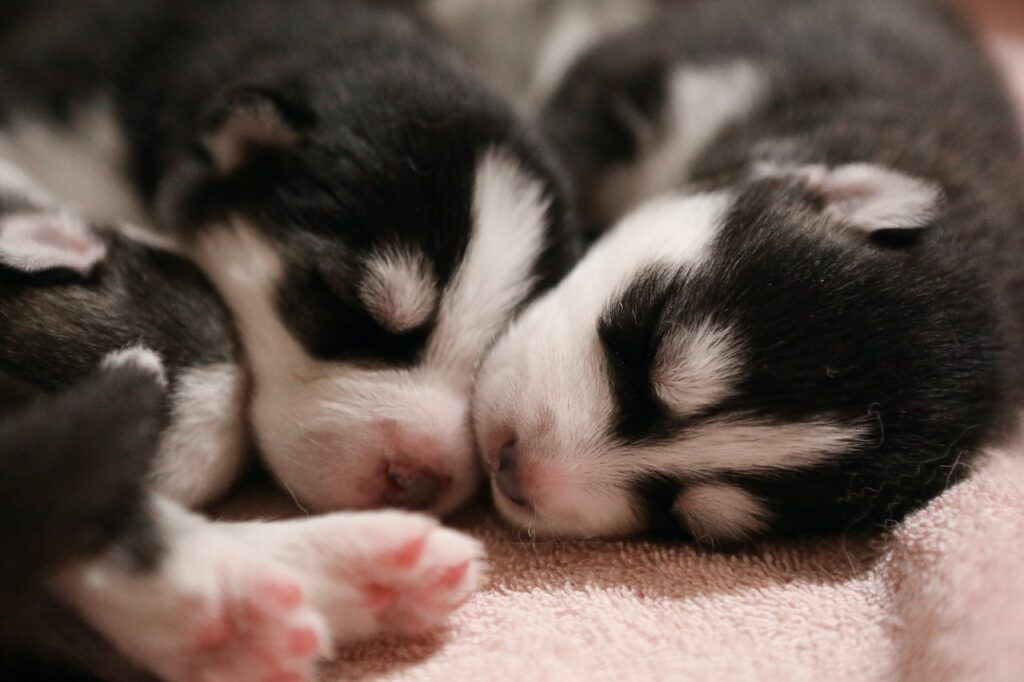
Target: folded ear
(865,196)
(247,119)
(37,242)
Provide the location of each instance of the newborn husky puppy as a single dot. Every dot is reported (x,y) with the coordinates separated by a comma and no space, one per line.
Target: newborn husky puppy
(818,323)
(372,216)
(121,393)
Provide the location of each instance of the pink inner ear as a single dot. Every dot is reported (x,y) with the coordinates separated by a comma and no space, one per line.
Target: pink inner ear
(52,234)
(37,242)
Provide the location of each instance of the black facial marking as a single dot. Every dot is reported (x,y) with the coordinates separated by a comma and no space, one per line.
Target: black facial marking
(652,498)
(838,331)
(630,331)
(334,325)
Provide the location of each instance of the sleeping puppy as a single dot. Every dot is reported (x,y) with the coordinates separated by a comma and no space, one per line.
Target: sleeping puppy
(371,215)
(121,404)
(809,319)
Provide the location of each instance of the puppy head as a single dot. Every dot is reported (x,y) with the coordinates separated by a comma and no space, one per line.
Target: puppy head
(725,365)
(371,254)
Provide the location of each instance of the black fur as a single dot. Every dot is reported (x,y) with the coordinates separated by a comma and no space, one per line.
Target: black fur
(74,465)
(381,132)
(919,340)
(77,439)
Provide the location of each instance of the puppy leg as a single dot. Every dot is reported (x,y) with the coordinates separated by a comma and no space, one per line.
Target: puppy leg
(210,608)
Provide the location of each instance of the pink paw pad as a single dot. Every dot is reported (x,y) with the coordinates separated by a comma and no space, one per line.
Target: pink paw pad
(408,554)
(284,594)
(303,641)
(285,677)
(212,633)
(452,576)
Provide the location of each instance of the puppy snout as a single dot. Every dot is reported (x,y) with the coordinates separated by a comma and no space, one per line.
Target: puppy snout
(413,487)
(507,476)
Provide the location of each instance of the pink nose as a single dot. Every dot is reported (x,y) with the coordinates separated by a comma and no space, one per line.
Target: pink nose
(413,487)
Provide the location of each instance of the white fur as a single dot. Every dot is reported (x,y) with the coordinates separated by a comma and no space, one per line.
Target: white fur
(702,102)
(202,451)
(526,64)
(866,196)
(14,181)
(718,511)
(696,368)
(207,581)
(495,275)
(139,357)
(545,383)
(35,242)
(338,555)
(227,600)
(545,386)
(330,430)
(78,162)
(398,290)
(749,446)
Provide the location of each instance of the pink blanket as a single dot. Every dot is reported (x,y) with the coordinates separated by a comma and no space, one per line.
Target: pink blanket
(940,598)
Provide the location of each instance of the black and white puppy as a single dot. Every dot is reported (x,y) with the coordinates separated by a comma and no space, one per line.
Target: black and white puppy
(371,215)
(814,319)
(121,404)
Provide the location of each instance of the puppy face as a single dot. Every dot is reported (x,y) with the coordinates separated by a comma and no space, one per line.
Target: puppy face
(724,365)
(370,263)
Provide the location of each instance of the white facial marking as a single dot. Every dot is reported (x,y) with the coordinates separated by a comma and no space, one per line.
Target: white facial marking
(545,383)
(675,231)
(251,124)
(202,450)
(696,368)
(398,290)
(702,102)
(866,196)
(545,386)
(35,242)
(496,273)
(718,511)
(334,431)
(79,162)
(748,446)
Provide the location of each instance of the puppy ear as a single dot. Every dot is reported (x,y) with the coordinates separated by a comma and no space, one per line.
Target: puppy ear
(38,242)
(247,119)
(867,197)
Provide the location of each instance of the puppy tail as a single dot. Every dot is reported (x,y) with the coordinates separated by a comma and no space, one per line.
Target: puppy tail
(73,466)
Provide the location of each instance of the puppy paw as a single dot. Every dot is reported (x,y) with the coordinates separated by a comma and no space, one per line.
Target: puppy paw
(372,572)
(213,611)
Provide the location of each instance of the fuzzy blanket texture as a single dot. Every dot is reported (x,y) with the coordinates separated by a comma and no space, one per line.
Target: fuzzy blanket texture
(939,598)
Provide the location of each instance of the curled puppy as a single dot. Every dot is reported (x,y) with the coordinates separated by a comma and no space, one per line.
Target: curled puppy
(122,400)
(818,323)
(372,216)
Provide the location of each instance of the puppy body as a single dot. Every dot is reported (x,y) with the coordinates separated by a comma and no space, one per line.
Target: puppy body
(819,326)
(370,214)
(121,404)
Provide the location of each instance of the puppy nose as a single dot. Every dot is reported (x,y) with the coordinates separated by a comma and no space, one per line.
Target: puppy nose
(507,475)
(412,487)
